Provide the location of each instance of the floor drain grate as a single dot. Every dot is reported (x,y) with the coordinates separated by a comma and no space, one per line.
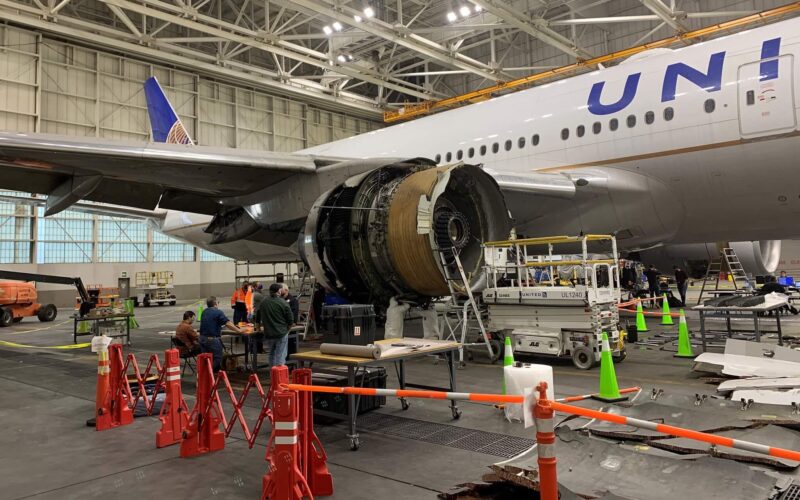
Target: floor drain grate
(489,443)
(791,493)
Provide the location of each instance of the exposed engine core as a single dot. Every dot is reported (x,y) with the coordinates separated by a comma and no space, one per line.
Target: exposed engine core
(378,234)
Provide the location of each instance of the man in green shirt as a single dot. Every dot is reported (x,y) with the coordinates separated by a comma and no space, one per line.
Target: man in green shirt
(276,318)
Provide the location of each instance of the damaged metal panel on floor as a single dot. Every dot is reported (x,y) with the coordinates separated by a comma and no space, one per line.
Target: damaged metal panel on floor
(759,383)
(770,435)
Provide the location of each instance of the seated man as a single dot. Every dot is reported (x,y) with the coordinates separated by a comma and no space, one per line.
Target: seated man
(188,336)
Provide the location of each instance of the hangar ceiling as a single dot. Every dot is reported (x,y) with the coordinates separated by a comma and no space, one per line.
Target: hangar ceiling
(366,57)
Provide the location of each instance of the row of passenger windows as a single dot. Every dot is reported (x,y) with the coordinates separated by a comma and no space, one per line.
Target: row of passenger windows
(613,124)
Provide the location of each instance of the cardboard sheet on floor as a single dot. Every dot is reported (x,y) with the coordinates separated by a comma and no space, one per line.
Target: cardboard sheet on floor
(591,467)
(759,383)
(690,418)
(771,435)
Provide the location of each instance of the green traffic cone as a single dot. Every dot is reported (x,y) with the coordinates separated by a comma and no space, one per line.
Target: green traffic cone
(666,317)
(641,325)
(508,359)
(684,343)
(609,390)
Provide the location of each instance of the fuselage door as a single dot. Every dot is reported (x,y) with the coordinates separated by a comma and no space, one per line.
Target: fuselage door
(766,101)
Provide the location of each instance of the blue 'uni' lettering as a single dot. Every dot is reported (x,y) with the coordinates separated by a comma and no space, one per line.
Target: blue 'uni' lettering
(710,81)
(770,49)
(598,108)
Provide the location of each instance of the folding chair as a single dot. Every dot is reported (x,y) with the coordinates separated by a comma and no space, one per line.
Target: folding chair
(189,360)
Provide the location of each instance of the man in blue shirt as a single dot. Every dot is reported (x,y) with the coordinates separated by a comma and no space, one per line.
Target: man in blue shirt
(211,324)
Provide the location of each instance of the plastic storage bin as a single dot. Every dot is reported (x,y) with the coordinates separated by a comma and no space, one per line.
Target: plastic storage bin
(372,377)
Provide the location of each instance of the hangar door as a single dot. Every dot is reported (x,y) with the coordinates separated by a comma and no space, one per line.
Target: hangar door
(766,97)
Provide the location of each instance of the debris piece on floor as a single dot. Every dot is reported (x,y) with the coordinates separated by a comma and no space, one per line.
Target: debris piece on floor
(591,467)
(767,396)
(751,359)
(759,383)
(770,435)
(709,362)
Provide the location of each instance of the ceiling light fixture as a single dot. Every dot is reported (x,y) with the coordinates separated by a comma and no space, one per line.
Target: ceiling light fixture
(337,26)
(357,18)
(369,11)
(478,8)
(464,11)
(327,30)
(341,58)
(452,17)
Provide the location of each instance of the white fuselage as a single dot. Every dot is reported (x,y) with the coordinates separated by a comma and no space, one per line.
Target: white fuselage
(712,126)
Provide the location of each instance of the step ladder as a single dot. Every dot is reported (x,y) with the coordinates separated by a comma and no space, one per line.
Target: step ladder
(727,262)
(305,297)
(462,305)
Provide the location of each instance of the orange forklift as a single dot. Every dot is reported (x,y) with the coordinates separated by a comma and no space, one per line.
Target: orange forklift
(18,299)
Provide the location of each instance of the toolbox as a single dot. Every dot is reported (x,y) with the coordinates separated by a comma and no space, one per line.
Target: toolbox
(371,377)
(352,324)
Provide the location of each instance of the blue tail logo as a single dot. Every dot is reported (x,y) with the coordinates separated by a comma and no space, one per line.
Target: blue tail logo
(167,126)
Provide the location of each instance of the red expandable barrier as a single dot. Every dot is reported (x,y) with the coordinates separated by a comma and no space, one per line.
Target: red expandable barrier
(284,480)
(204,433)
(313,459)
(174,415)
(115,409)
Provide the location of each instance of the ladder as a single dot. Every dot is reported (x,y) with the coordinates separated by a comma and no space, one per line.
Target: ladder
(729,262)
(466,310)
(305,297)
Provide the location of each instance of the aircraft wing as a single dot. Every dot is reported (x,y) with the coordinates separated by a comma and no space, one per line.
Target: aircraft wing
(91,208)
(170,176)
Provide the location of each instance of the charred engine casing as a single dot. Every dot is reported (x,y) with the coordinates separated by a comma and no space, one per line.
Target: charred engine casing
(379,234)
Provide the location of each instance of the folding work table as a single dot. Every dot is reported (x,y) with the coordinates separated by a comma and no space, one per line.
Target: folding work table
(433,347)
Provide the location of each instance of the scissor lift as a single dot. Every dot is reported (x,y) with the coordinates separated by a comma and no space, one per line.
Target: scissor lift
(555,304)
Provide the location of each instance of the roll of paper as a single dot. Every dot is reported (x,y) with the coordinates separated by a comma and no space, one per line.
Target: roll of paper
(355,351)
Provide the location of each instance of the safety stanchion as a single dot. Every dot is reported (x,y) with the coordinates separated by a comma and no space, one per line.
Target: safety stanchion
(174,415)
(313,459)
(284,480)
(205,431)
(545,445)
(115,409)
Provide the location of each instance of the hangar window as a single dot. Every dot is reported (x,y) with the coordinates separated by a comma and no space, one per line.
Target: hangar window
(495,147)
(448,157)
(459,154)
(471,152)
(206,256)
(438,159)
(631,120)
(580,130)
(564,134)
(508,145)
(521,142)
(483,150)
(597,127)
(535,140)
(649,117)
(613,124)
(669,113)
(709,105)
(166,249)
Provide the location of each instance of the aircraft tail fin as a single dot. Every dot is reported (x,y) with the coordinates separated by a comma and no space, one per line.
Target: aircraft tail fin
(167,126)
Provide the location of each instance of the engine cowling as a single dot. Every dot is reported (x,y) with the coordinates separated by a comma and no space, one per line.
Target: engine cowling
(378,234)
(757,257)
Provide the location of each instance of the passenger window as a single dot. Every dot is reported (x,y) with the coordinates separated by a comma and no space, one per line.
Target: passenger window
(459,154)
(508,145)
(596,127)
(535,139)
(483,150)
(751,97)
(631,120)
(521,142)
(613,124)
(438,159)
(471,152)
(495,148)
(709,105)
(649,117)
(564,134)
(580,130)
(669,113)
(448,157)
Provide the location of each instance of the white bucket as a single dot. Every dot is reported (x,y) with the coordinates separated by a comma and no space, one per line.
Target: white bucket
(526,376)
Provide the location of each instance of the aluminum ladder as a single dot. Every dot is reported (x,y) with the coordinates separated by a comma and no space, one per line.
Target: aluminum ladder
(467,310)
(727,261)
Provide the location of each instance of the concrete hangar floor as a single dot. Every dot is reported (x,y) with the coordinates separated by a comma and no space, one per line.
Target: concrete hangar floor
(47,451)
